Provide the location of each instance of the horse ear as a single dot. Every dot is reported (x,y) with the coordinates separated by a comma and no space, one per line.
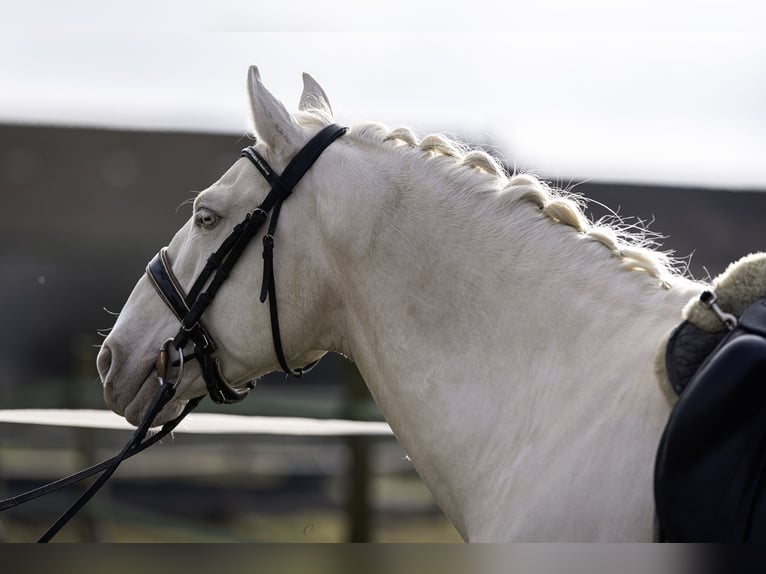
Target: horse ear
(314,97)
(274,124)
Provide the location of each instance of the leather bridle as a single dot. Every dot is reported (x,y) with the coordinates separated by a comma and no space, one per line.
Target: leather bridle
(189,308)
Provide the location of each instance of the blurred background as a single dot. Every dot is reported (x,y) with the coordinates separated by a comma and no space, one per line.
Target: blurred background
(654,109)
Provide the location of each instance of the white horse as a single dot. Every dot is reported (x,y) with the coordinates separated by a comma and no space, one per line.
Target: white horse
(507,340)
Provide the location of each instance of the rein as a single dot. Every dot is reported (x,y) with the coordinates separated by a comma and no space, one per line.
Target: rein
(137,443)
(189,308)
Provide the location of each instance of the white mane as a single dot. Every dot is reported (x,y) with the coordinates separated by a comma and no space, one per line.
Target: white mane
(483,176)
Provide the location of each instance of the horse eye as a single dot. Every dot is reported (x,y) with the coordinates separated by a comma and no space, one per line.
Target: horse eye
(205,218)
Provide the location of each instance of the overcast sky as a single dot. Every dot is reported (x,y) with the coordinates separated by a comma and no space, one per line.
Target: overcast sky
(656,91)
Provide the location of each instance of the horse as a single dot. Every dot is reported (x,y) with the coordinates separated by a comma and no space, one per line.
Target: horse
(506,338)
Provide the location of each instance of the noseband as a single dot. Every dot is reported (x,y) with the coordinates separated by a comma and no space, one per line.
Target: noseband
(189,307)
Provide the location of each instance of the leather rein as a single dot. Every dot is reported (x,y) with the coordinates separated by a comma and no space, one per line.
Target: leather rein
(189,308)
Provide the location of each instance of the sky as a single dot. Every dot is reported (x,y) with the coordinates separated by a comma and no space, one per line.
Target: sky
(654,91)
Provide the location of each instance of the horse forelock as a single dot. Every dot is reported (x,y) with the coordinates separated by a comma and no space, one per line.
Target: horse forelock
(484,177)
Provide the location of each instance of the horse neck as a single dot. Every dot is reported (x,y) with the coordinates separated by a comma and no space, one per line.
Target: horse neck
(473,330)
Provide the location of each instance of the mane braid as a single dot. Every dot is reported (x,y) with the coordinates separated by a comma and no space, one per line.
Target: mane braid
(630,243)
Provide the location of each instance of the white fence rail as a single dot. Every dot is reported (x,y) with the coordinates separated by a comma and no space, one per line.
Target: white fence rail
(202,423)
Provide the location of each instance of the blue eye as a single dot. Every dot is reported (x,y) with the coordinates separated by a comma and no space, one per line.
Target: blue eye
(205,218)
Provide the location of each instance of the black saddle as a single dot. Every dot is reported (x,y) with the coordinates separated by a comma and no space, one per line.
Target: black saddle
(710,471)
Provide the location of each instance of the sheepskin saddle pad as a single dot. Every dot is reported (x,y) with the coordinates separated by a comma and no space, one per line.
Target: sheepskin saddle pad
(680,356)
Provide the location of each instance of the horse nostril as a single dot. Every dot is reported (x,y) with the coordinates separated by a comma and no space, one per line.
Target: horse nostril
(104,362)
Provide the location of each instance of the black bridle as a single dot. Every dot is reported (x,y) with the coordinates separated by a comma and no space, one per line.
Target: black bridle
(189,308)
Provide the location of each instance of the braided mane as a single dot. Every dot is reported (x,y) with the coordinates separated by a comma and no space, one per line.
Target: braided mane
(478,170)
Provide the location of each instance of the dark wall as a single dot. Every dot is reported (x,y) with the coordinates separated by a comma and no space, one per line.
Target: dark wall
(713,226)
(84,210)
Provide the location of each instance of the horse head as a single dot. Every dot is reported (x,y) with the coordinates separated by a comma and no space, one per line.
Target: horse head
(236,319)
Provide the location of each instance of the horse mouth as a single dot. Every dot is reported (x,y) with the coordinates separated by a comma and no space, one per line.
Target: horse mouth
(131,394)
(136,411)
(119,396)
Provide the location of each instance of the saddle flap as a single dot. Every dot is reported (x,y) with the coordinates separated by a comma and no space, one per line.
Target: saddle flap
(710,459)
(754,318)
